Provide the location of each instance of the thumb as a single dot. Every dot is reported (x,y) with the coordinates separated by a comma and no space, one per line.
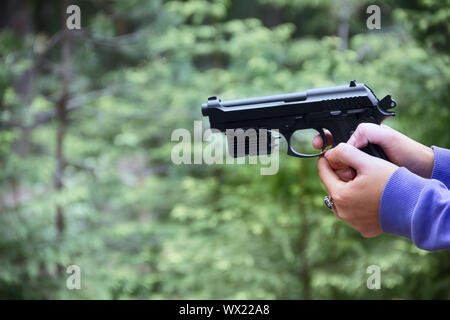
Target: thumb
(346,155)
(367,133)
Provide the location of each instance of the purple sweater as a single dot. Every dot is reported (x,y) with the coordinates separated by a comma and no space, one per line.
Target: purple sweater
(419,208)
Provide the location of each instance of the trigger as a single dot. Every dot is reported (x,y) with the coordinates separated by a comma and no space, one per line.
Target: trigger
(324,138)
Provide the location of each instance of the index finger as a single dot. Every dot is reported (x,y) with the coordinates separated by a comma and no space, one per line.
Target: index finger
(328,177)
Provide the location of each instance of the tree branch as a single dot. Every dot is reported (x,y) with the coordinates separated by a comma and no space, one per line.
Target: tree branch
(72,104)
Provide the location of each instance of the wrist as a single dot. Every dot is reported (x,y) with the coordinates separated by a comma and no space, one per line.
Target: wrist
(398,201)
(427,163)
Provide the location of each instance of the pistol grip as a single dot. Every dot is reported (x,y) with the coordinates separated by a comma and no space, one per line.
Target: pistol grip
(375,150)
(343,132)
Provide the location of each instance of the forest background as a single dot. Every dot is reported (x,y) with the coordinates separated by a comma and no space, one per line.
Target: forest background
(86,118)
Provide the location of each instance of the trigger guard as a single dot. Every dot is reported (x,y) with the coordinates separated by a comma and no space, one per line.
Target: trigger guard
(292,152)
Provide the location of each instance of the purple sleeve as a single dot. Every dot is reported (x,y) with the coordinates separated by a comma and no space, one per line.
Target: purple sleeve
(418,209)
(441,168)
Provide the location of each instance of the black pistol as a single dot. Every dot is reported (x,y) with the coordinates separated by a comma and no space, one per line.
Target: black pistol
(338,109)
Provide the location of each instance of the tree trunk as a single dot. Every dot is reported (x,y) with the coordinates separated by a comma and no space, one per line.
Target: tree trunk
(61,119)
(343,33)
(305,272)
(344,9)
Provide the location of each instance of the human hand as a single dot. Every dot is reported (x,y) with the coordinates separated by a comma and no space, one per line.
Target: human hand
(400,149)
(356,201)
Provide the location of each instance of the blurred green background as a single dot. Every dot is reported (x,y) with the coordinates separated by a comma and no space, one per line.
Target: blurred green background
(85,170)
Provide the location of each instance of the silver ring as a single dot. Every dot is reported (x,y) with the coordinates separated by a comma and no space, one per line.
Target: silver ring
(329,202)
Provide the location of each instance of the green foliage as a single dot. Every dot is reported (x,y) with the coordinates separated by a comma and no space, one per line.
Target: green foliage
(140,226)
